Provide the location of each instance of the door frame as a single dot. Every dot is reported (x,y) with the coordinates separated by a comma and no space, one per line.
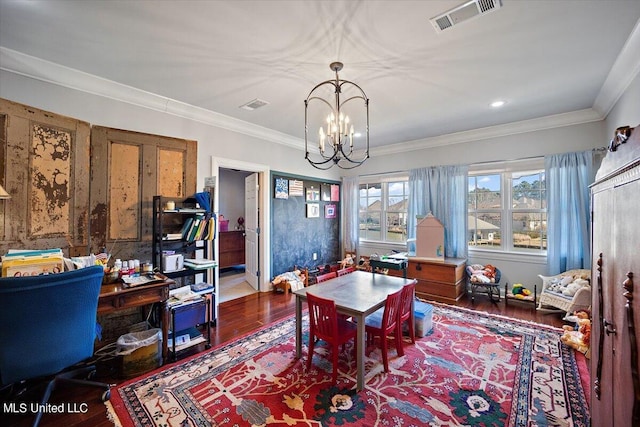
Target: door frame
(264,215)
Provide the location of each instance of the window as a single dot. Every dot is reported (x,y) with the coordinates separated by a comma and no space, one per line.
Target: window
(383,211)
(507,211)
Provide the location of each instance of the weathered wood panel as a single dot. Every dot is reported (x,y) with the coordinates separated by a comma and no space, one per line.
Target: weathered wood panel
(124,180)
(171,171)
(45,169)
(124,192)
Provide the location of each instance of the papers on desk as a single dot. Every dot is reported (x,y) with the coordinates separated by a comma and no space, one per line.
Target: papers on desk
(143,279)
(182,295)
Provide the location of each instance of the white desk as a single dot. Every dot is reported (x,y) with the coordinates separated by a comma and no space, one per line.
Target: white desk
(357,294)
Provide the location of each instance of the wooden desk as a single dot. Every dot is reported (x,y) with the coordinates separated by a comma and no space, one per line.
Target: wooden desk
(357,295)
(114,297)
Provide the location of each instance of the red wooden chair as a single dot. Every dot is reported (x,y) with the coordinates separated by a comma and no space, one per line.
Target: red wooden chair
(383,327)
(324,324)
(346,270)
(327,276)
(405,313)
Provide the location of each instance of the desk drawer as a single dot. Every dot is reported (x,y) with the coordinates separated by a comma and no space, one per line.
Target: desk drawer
(132,298)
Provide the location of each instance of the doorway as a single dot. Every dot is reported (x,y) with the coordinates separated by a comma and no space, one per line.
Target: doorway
(230,200)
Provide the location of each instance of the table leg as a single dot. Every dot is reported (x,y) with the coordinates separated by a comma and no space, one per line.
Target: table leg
(164,307)
(360,338)
(298,327)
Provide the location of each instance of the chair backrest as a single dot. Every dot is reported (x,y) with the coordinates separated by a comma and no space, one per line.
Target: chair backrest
(391,309)
(327,276)
(323,317)
(47,323)
(346,270)
(406,299)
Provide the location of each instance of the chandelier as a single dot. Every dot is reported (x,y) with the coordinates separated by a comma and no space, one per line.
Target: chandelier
(336,130)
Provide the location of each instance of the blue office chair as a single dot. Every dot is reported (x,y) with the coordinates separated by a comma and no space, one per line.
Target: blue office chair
(47,327)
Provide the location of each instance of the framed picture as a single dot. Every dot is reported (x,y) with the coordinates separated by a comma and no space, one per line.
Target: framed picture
(329,211)
(282,188)
(313,194)
(335,193)
(326,192)
(313,210)
(295,188)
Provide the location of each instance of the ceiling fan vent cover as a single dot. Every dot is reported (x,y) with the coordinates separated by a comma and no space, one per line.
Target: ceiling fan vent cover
(464,12)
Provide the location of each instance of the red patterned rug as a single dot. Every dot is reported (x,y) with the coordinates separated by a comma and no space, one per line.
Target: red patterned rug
(473,369)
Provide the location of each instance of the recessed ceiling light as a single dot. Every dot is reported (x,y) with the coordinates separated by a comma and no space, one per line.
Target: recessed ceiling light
(497,104)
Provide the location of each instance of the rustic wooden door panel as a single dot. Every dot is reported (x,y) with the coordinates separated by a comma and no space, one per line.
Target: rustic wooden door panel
(46,171)
(128,169)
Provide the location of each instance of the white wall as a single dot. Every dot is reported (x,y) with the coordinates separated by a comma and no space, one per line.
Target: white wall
(626,112)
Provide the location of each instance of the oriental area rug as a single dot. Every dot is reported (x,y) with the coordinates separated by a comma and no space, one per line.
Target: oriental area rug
(472,369)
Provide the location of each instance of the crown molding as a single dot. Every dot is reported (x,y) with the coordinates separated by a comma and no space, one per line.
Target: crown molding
(514,128)
(50,72)
(625,68)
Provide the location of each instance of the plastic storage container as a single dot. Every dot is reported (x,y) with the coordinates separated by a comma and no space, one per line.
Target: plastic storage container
(423,314)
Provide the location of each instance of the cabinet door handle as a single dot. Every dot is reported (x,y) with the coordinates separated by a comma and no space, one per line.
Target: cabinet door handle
(608,327)
(419,267)
(633,347)
(596,382)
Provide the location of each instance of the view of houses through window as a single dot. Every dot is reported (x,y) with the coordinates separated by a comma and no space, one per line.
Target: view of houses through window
(508,211)
(383,211)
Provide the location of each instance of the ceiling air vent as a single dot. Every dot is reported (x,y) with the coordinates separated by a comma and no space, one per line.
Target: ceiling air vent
(464,12)
(253,105)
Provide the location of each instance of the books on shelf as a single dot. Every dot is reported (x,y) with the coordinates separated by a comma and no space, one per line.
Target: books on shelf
(202,226)
(20,263)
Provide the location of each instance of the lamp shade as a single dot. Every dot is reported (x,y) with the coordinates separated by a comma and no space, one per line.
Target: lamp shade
(3,193)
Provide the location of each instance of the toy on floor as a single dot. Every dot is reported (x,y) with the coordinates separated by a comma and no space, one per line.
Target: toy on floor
(579,336)
(347,261)
(519,291)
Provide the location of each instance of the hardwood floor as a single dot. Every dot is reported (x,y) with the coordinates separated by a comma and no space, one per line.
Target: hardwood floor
(236,318)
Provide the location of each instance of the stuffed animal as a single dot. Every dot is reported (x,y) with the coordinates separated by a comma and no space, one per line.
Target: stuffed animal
(347,261)
(520,291)
(482,273)
(578,337)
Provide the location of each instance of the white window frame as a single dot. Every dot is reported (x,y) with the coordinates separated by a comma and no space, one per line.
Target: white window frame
(384,197)
(507,170)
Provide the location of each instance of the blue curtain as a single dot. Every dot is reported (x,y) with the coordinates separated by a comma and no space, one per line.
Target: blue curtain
(568,178)
(441,190)
(350,213)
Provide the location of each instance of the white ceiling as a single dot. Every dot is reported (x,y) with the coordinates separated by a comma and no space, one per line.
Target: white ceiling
(544,58)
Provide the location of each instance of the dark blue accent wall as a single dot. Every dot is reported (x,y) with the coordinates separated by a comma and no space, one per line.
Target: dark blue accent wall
(294,237)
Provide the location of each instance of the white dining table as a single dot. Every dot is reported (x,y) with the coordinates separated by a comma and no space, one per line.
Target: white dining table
(357,294)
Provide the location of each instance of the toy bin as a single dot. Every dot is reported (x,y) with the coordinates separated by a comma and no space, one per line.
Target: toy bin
(423,314)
